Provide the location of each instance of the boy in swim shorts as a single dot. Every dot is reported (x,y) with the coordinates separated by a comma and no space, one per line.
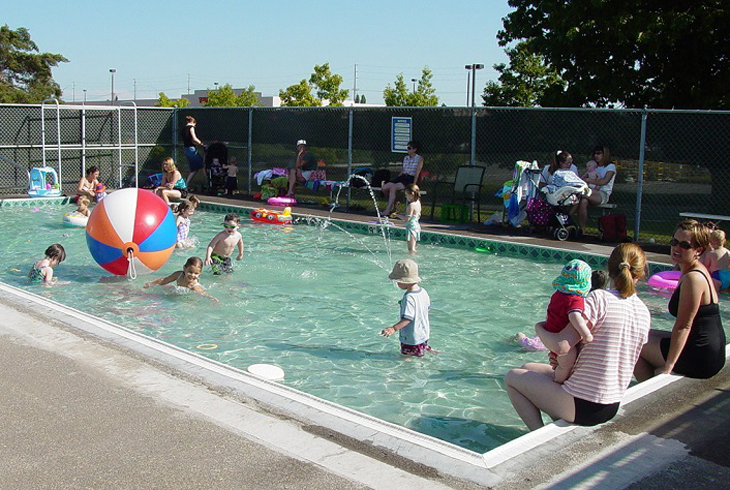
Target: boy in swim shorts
(413,326)
(220,248)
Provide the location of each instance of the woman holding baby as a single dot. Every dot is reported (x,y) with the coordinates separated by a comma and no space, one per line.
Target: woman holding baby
(599,179)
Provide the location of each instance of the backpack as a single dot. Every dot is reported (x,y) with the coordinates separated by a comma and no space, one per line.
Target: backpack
(612,228)
(539,212)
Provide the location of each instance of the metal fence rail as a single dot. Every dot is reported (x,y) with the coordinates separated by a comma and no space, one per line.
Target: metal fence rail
(668,161)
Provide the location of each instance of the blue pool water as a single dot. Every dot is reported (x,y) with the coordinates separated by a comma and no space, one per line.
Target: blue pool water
(313,302)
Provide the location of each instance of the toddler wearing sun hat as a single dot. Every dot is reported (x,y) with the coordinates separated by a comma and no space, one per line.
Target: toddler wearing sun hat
(413,327)
(566,308)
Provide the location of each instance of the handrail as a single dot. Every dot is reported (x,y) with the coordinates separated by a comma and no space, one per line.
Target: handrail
(27,172)
(58,137)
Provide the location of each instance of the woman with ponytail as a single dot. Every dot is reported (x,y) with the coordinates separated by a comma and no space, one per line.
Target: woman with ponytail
(696,345)
(619,322)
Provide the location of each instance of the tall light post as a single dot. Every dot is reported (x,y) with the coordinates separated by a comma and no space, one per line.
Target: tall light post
(468,82)
(473,67)
(112,71)
(84,96)
(414,84)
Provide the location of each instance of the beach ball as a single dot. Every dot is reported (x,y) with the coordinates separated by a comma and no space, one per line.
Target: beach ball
(131,220)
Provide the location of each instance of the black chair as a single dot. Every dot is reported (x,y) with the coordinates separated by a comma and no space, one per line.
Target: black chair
(466,187)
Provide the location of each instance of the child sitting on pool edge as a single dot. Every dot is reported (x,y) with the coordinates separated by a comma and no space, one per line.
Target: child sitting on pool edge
(42,271)
(186,278)
(220,248)
(413,326)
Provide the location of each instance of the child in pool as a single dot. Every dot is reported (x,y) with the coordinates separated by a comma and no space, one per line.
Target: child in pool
(186,278)
(220,248)
(599,279)
(83,206)
(42,271)
(717,260)
(592,173)
(413,214)
(413,326)
(566,308)
(184,211)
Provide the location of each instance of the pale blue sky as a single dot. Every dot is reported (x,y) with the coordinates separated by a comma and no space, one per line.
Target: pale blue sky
(270,44)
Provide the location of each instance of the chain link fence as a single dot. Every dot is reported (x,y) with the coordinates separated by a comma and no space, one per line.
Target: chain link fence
(668,161)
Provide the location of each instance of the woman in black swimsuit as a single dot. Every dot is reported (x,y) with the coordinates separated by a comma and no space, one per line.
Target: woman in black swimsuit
(696,345)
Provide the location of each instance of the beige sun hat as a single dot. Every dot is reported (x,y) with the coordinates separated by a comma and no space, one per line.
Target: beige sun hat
(405,271)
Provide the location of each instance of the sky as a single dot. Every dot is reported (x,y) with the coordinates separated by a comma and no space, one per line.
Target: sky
(165,46)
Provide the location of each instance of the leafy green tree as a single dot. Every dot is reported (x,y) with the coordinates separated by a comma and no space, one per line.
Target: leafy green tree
(362,99)
(425,94)
(165,101)
(526,82)
(398,95)
(247,97)
(223,96)
(357,99)
(25,73)
(328,85)
(299,95)
(656,53)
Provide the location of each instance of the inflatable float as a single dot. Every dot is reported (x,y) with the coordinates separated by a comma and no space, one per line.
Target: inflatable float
(75,219)
(665,280)
(273,217)
(282,201)
(266,371)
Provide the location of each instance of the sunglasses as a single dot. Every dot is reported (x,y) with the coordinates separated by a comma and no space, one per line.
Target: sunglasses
(230,227)
(685,245)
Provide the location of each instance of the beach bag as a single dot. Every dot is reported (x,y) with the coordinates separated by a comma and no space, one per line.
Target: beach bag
(539,212)
(365,172)
(612,228)
(380,176)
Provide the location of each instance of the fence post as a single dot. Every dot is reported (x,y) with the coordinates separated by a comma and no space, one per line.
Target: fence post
(350,120)
(640,177)
(174,132)
(473,157)
(248,144)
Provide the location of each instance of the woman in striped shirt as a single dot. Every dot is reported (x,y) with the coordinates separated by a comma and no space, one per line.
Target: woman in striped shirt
(620,323)
(412,166)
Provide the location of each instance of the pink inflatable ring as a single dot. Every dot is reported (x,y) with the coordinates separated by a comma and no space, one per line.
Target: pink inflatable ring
(282,201)
(665,280)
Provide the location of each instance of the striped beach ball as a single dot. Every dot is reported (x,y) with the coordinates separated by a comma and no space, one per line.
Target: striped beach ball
(132,221)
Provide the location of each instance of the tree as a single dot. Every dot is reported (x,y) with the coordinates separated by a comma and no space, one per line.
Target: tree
(165,101)
(25,73)
(425,94)
(526,82)
(223,96)
(247,97)
(328,85)
(362,99)
(357,99)
(299,95)
(397,95)
(656,53)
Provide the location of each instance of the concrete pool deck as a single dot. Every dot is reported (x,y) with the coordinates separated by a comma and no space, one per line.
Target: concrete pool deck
(81,410)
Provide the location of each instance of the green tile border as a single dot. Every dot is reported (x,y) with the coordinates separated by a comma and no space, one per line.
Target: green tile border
(34,202)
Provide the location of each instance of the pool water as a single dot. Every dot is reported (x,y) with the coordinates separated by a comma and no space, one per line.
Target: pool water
(313,300)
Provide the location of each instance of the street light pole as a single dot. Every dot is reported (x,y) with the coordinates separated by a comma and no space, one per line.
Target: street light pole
(84,96)
(112,71)
(414,84)
(468,81)
(474,68)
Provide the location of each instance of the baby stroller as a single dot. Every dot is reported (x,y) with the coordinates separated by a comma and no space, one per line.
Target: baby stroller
(215,157)
(565,190)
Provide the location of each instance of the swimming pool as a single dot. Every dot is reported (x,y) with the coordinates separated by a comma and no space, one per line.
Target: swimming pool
(313,301)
